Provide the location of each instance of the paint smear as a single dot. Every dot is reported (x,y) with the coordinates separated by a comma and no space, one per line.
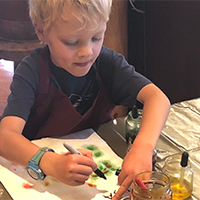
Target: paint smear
(27,185)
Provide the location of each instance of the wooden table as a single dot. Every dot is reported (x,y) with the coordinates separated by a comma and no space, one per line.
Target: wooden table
(180,133)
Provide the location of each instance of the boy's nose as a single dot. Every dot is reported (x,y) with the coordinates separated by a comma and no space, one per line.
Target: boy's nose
(85,51)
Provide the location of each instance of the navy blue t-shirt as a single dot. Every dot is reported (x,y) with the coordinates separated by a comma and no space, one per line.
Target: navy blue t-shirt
(119,77)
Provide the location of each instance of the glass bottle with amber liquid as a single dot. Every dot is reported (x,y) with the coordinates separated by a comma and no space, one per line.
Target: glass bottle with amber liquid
(180,172)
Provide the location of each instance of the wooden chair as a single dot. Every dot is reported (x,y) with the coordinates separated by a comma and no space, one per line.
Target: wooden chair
(6,74)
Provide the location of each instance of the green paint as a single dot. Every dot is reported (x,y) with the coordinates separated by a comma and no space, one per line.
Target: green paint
(98,154)
(106,166)
(91,147)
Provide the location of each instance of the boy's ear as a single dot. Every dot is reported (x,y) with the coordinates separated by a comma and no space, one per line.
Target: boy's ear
(40,32)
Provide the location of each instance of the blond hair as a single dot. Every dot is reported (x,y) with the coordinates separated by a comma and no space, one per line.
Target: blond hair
(45,12)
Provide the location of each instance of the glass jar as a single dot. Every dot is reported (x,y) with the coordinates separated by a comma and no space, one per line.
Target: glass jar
(157,186)
(181,177)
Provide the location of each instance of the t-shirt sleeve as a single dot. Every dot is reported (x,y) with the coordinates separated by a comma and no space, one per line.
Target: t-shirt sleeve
(121,79)
(23,88)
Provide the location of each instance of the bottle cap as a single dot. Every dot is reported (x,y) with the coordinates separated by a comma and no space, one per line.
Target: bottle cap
(184,159)
(135,112)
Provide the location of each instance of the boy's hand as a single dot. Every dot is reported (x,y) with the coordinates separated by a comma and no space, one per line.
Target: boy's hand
(71,169)
(137,160)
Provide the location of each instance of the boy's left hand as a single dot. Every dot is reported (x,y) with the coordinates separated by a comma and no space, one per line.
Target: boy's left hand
(138,159)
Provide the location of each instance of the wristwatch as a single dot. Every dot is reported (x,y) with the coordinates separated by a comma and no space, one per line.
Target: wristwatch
(33,166)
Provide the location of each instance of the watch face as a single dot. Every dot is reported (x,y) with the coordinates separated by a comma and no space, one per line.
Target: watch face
(32,173)
(32,168)
(35,172)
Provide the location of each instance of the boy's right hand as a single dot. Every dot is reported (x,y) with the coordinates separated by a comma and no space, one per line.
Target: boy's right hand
(71,169)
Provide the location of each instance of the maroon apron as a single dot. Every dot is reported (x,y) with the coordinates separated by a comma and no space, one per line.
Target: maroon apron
(53,114)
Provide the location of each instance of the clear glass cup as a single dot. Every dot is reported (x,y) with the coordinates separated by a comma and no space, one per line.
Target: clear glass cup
(132,128)
(133,124)
(181,177)
(157,186)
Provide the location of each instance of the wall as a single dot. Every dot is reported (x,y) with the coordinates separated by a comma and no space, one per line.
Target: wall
(116,34)
(164,45)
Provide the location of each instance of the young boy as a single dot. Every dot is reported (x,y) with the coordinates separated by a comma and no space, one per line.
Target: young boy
(72,84)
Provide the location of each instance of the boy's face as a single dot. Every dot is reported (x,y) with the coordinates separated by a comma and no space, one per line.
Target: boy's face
(72,48)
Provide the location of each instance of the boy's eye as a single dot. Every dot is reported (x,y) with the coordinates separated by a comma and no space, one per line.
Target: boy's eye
(96,39)
(71,43)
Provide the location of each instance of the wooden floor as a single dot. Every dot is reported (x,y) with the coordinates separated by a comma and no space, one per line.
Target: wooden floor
(6,74)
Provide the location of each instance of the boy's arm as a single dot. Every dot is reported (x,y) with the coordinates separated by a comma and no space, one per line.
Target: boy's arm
(139,158)
(71,169)
(13,143)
